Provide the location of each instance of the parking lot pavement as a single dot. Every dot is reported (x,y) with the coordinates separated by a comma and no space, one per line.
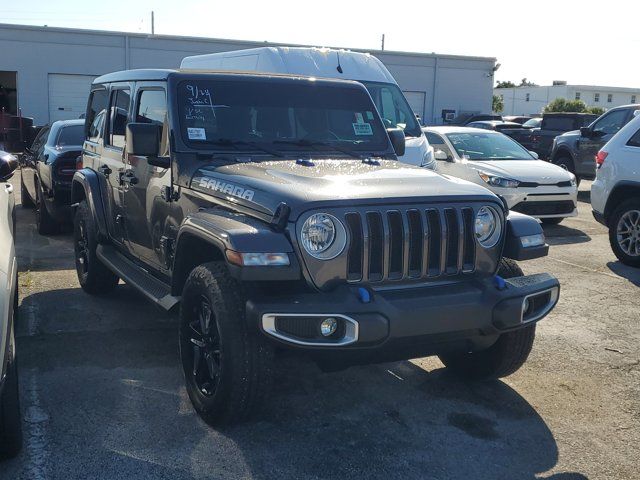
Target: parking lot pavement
(103,394)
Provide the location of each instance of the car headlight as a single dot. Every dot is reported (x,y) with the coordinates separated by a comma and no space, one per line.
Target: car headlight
(488,227)
(496,181)
(574,182)
(323,236)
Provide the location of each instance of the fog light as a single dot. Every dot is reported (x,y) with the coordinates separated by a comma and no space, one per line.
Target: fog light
(529,241)
(328,326)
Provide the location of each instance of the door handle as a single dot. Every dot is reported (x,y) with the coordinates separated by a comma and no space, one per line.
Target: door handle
(105,170)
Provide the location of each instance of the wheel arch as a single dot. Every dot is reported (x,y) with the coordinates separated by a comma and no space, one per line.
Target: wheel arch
(563,151)
(86,186)
(621,191)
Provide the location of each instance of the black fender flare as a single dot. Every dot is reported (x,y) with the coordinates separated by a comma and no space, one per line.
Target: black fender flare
(519,225)
(561,151)
(86,185)
(225,230)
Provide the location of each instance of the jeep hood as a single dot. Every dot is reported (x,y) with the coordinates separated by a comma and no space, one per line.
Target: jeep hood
(264,185)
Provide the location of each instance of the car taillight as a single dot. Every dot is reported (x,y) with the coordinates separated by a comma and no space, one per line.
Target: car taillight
(600,157)
(79,165)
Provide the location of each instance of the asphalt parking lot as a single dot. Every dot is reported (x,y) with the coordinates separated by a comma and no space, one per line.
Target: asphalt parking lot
(103,394)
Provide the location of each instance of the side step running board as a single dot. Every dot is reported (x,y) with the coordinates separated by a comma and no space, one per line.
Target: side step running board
(152,288)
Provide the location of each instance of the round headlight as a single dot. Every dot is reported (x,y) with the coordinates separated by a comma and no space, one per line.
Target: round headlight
(488,227)
(323,236)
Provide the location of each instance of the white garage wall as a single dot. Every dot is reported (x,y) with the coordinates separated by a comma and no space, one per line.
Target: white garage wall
(37,52)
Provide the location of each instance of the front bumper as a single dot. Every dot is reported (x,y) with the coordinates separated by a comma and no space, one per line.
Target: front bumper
(435,318)
(542,201)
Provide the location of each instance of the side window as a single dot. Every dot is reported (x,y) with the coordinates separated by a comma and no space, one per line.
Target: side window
(152,108)
(612,122)
(634,141)
(95,115)
(388,107)
(437,142)
(118,116)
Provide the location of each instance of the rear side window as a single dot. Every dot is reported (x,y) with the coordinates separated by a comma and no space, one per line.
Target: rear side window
(95,115)
(118,117)
(563,124)
(152,108)
(72,135)
(634,141)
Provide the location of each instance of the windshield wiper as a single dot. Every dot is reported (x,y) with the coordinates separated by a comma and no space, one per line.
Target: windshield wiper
(310,143)
(236,143)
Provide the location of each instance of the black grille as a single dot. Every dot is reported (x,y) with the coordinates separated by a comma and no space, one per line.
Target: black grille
(545,208)
(409,244)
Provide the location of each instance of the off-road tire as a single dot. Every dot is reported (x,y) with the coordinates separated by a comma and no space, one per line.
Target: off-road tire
(614,218)
(504,357)
(552,221)
(44,221)
(94,277)
(245,359)
(25,198)
(10,418)
(567,163)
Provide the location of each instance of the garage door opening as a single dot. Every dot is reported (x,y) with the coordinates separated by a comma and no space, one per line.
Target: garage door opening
(8,93)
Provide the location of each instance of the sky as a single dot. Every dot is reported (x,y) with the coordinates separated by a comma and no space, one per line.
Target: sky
(583,42)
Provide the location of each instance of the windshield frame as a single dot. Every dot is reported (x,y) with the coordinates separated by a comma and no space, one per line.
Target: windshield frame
(381,147)
(417,133)
(527,156)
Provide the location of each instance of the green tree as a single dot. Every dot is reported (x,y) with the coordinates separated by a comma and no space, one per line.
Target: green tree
(505,84)
(597,110)
(525,83)
(564,105)
(498,104)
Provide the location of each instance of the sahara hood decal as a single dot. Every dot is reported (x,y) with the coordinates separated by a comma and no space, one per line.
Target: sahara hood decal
(226,188)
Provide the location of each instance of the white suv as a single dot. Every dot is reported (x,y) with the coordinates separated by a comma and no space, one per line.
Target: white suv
(615,195)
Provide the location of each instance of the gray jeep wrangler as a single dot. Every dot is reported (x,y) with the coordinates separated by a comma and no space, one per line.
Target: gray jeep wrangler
(273,211)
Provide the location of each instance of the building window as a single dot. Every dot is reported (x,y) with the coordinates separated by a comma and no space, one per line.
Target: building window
(633,99)
(577,95)
(610,98)
(527,97)
(596,97)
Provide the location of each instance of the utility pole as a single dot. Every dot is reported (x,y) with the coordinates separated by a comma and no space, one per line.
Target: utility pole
(153,26)
(383,41)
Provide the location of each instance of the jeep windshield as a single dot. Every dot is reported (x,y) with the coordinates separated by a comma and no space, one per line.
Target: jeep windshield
(279,115)
(487,147)
(393,107)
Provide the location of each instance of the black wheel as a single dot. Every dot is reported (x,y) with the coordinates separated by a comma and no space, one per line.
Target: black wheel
(10,418)
(44,222)
(227,368)
(624,232)
(567,164)
(25,198)
(551,221)
(94,277)
(505,356)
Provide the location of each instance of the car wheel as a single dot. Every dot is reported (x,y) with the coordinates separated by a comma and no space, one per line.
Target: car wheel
(624,232)
(25,198)
(94,277)
(227,368)
(10,418)
(505,356)
(551,221)
(44,222)
(567,164)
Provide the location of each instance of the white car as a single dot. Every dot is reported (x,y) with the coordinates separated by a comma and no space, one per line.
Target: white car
(10,420)
(493,160)
(615,195)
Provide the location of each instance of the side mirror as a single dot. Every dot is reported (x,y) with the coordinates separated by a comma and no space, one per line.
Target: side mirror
(534,154)
(143,139)
(585,132)
(440,155)
(8,165)
(396,135)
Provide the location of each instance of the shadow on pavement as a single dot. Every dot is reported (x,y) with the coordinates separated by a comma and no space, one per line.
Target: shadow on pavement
(584,196)
(112,386)
(563,235)
(630,273)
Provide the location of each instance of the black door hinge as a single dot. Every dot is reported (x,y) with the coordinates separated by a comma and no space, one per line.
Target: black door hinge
(166,246)
(168,194)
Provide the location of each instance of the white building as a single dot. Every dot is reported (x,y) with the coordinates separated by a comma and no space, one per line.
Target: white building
(46,72)
(531,100)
